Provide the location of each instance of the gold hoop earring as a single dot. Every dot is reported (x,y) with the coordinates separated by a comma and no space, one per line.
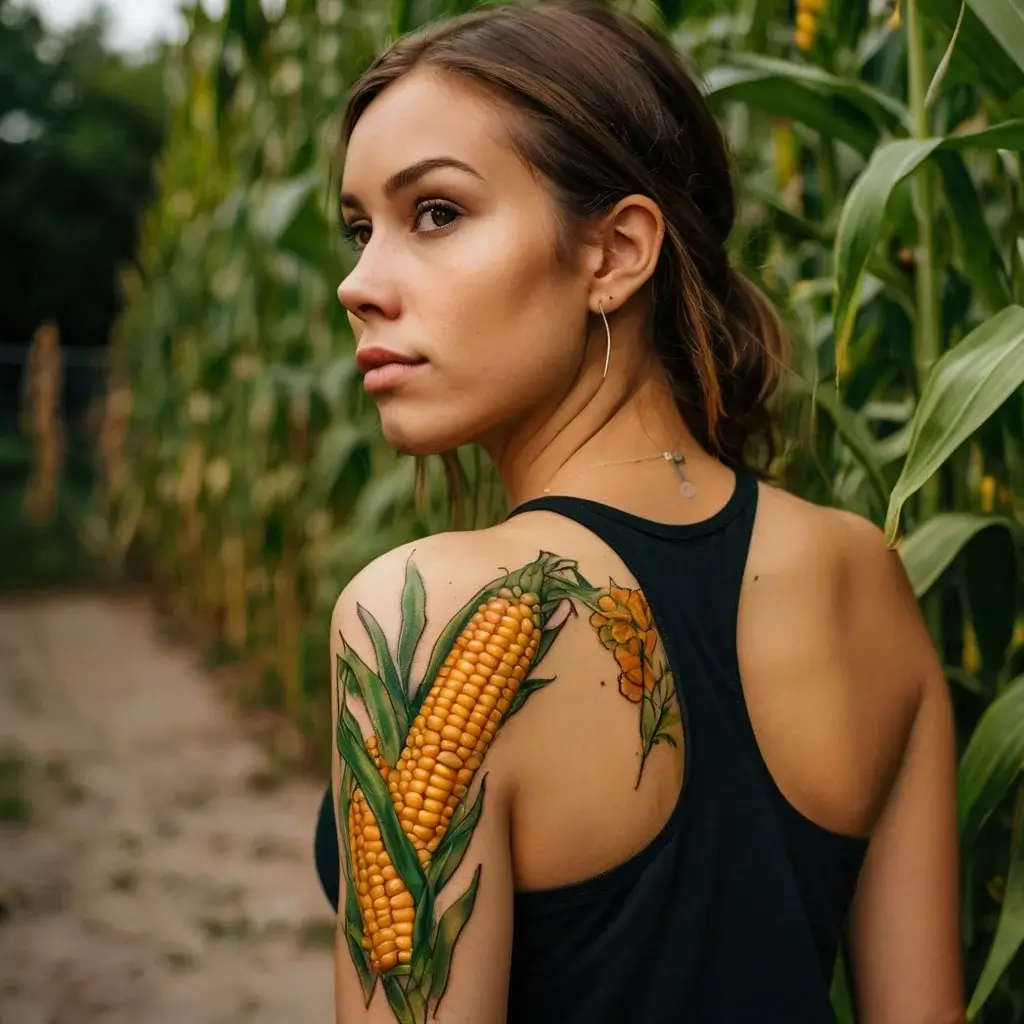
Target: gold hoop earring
(608,340)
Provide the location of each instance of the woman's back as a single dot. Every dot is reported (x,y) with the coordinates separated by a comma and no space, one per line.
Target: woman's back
(648,849)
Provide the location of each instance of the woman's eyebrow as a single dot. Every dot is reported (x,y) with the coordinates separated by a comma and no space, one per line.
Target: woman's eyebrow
(408,175)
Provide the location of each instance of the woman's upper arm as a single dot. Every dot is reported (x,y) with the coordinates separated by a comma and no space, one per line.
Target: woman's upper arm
(432,940)
(905,921)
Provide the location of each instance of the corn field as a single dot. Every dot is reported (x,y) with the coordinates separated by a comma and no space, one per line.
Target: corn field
(879,150)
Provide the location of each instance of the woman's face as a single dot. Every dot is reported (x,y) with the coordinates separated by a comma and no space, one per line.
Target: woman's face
(467,327)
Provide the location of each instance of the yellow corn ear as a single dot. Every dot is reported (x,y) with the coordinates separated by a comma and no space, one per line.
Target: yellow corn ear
(386,905)
(461,715)
(808,14)
(987,493)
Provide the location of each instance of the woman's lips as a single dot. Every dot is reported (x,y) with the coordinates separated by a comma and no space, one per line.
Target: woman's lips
(383,368)
(390,375)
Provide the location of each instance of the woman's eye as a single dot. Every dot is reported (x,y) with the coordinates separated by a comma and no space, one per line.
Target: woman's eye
(357,235)
(435,216)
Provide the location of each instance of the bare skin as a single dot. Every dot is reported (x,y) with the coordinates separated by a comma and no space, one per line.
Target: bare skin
(850,711)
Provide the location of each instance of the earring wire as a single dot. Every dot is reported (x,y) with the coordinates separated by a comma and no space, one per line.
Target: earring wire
(608,339)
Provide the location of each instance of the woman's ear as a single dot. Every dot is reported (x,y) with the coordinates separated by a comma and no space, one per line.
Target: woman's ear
(625,250)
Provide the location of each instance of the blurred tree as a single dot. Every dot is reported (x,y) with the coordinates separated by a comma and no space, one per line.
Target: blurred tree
(79,130)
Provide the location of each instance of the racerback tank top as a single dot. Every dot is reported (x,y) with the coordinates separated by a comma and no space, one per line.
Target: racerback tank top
(734,911)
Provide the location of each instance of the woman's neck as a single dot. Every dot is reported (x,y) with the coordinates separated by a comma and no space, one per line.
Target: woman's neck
(571,454)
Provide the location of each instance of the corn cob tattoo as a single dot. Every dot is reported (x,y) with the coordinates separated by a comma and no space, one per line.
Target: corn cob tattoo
(461,716)
(411,814)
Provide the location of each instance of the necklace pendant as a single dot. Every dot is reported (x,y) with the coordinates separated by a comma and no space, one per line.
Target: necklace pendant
(687,488)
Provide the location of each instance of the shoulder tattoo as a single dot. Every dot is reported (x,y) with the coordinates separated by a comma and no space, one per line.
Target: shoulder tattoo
(412,793)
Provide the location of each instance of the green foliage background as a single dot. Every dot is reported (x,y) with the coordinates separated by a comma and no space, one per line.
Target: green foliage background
(882,209)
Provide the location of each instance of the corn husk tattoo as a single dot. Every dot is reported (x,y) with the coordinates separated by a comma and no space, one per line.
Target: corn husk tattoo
(413,792)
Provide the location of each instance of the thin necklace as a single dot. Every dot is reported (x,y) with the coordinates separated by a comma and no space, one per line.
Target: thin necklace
(677,460)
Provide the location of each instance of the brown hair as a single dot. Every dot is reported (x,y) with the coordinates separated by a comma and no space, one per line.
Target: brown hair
(606,110)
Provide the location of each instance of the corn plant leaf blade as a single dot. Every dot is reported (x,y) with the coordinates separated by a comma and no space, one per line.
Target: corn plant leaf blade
(933,547)
(882,109)
(991,60)
(368,687)
(338,446)
(856,435)
(280,204)
(1005,21)
(860,221)
(831,116)
(1009,931)
(966,386)
(993,759)
(386,670)
(943,66)
(414,620)
(353,754)
(449,929)
(977,249)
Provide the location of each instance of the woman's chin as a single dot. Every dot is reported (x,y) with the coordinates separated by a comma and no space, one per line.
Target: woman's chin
(420,439)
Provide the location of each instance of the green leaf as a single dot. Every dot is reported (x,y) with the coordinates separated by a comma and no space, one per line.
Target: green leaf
(281,203)
(387,671)
(856,435)
(966,386)
(933,547)
(977,249)
(864,210)
(422,934)
(529,687)
(994,60)
(992,761)
(790,95)
(1005,21)
(338,445)
(1010,930)
(881,108)
(404,1009)
(414,620)
(448,931)
(353,754)
(453,846)
(940,71)
(367,686)
(245,19)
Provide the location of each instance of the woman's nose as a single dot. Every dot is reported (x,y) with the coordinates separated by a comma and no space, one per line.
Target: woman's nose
(367,291)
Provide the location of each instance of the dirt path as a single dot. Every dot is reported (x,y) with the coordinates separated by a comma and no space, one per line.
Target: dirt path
(147,876)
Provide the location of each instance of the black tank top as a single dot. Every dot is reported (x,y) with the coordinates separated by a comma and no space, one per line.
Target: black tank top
(733,912)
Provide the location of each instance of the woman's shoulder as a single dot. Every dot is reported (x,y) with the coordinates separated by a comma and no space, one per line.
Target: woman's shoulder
(455,563)
(835,655)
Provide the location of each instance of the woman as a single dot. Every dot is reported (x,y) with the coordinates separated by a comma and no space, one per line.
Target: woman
(641,751)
